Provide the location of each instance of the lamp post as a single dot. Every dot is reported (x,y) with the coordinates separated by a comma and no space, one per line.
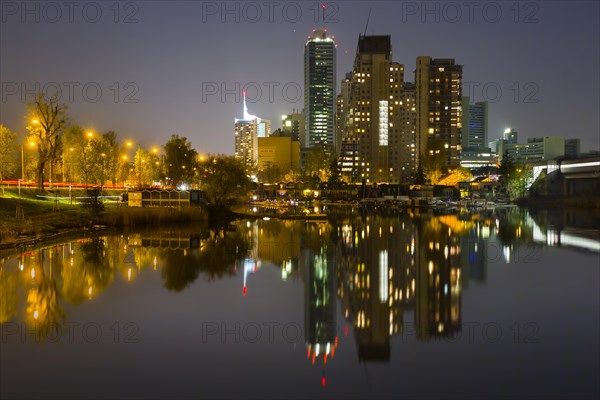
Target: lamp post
(139,162)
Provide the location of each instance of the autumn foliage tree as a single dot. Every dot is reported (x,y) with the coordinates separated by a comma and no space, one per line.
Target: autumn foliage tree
(48,118)
(7,149)
(223,178)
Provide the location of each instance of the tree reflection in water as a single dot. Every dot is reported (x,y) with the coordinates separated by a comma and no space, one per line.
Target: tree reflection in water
(215,258)
(377,266)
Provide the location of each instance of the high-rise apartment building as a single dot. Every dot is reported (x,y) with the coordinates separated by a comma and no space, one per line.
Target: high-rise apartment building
(439,108)
(367,122)
(407,154)
(319,90)
(247,131)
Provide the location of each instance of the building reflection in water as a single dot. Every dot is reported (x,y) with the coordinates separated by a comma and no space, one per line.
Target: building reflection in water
(391,275)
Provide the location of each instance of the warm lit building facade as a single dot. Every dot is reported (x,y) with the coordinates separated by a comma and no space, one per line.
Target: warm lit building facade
(439,108)
(367,122)
(277,156)
(407,154)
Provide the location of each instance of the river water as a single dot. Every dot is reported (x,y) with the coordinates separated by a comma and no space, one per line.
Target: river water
(404,305)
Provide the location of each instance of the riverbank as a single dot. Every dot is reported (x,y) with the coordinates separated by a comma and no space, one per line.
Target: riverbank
(24,221)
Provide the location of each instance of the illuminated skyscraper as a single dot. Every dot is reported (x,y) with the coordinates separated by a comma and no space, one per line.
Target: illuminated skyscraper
(439,109)
(374,79)
(474,124)
(319,90)
(247,131)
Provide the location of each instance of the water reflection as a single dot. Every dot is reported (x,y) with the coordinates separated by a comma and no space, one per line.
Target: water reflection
(388,273)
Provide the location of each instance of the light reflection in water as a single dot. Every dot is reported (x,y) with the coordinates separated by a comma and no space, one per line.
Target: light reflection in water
(409,275)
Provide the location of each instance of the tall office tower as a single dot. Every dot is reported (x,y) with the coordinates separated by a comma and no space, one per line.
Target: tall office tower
(439,109)
(367,125)
(407,143)
(294,125)
(319,90)
(247,131)
(474,124)
(510,136)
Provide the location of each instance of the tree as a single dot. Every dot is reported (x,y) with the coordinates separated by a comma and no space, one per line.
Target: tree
(517,184)
(507,171)
(112,161)
(270,173)
(433,162)
(78,152)
(459,174)
(48,119)
(334,174)
(317,162)
(145,168)
(7,149)
(181,160)
(223,178)
(419,175)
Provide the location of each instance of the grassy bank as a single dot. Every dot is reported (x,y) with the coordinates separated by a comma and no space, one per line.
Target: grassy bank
(26,217)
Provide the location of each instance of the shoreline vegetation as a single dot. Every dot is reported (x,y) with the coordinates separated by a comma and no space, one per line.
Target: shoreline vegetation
(26,220)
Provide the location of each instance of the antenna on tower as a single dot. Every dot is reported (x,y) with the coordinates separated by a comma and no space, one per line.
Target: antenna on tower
(367,25)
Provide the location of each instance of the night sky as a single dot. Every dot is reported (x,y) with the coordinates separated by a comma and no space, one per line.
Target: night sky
(159,59)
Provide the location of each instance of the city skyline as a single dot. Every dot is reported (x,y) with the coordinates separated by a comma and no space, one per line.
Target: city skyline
(169,89)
